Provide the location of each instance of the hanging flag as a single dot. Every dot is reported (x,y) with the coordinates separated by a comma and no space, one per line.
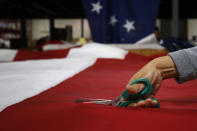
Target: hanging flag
(121,21)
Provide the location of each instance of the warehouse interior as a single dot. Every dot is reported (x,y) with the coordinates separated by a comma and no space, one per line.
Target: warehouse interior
(24,23)
(98,65)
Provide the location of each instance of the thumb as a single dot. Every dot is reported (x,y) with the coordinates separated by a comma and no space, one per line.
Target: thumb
(136,88)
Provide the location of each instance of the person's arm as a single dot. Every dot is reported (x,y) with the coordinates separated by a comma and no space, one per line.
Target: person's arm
(186,64)
(181,65)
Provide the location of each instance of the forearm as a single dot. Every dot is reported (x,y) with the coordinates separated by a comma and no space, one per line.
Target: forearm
(186,64)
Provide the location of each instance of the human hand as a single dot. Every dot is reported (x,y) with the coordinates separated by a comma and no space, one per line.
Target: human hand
(155,71)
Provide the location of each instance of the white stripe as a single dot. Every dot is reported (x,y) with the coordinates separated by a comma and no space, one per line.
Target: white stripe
(21,80)
(7,55)
(57,46)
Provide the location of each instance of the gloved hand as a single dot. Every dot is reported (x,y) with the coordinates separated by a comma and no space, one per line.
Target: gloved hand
(155,71)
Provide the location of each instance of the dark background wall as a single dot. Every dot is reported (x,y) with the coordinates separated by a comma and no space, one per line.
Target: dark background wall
(74,9)
(35,9)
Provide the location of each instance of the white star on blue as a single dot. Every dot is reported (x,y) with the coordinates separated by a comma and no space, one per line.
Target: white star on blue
(96,7)
(113,20)
(129,25)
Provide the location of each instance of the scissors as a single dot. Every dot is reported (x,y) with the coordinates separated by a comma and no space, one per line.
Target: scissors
(125,98)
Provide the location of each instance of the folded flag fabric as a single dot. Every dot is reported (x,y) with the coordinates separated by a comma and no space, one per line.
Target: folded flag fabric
(174,44)
(121,21)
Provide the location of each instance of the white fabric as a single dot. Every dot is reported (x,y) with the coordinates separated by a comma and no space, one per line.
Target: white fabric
(149,42)
(149,39)
(98,51)
(21,80)
(57,46)
(7,55)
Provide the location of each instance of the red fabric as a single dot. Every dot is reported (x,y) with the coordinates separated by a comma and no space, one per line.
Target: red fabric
(34,55)
(54,109)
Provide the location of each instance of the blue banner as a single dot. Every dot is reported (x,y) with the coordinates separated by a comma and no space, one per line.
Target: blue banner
(121,21)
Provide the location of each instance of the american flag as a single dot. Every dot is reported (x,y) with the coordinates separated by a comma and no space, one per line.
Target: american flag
(121,21)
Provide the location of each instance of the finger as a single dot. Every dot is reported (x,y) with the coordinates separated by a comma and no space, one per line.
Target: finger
(136,88)
(148,102)
(141,104)
(132,105)
(154,103)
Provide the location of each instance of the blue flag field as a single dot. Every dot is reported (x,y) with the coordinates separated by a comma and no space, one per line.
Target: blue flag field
(121,21)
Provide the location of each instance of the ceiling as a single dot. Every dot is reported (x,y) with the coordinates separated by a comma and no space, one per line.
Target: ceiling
(41,9)
(73,9)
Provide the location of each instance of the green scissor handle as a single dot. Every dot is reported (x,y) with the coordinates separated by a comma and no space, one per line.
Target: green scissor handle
(135,98)
(147,90)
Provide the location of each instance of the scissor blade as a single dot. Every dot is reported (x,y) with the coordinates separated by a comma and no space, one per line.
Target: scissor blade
(96,101)
(80,100)
(114,102)
(117,101)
